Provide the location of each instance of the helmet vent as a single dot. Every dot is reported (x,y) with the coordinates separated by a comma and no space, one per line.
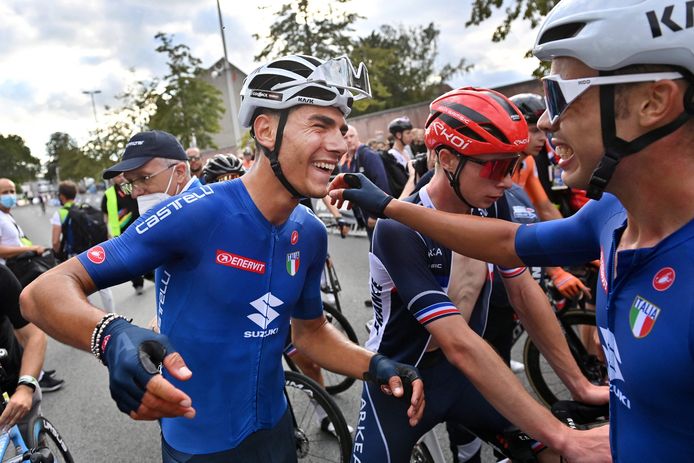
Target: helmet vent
(495,132)
(504,104)
(459,127)
(316,93)
(266,82)
(292,66)
(565,31)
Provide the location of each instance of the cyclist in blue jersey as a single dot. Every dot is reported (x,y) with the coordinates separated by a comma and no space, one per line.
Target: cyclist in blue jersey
(620,109)
(260,256)
(413,287)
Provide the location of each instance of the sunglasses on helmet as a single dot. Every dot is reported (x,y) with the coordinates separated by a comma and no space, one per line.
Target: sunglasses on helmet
(560,93)
(339,73)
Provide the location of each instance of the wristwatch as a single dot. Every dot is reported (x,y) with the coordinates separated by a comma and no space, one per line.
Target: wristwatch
(28,380)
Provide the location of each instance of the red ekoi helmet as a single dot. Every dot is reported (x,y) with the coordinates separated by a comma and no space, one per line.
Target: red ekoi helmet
(475,121)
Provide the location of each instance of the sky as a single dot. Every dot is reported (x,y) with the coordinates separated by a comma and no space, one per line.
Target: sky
(51,51)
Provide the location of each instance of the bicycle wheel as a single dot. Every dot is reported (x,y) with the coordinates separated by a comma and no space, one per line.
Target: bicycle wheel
(540,374)
(335,382)
(333,282)
(313,412)
(44,434)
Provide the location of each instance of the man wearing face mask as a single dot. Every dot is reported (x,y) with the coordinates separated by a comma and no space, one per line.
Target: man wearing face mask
(155,167)
(12,239)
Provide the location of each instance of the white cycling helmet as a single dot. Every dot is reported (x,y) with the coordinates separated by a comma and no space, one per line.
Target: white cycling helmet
(297,80)
(612,34)
(608,35)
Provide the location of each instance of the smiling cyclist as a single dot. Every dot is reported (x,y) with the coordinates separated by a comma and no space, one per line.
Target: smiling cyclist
(220,397)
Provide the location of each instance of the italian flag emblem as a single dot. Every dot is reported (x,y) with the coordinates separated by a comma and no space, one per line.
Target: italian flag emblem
(293,263)
(642,317)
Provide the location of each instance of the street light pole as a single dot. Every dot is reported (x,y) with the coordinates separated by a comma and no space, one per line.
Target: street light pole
(91,93)
(233,112)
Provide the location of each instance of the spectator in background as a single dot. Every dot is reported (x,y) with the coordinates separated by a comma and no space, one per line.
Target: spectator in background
(359,158)
(248,158)
(14,242)
(67,192)
(26,349)
(120,210)
(417,146)
(395,160)
(195,162)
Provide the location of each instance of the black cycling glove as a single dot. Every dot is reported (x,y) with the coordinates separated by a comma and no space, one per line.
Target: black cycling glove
(381,369)
(133,356)
(366,195)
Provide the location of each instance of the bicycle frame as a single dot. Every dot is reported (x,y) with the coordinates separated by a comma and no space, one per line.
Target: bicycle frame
(13,435)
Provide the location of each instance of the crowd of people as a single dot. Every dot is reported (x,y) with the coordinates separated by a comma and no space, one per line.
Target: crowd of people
(467,217)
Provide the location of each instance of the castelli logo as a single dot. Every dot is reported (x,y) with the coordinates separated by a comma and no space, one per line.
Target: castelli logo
(664,279)
(96,255)
(295,237)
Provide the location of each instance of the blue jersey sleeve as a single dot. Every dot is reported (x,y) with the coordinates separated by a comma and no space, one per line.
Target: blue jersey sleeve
(571,241)
(403,253)
(310,305)
(164,233)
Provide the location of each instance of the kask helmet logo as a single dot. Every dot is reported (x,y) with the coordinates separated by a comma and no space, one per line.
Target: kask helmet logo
(666,19)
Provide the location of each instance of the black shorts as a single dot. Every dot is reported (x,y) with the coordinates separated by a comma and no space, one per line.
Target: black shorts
(254,448)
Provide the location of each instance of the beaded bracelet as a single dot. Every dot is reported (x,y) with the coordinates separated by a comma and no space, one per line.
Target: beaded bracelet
(96,347)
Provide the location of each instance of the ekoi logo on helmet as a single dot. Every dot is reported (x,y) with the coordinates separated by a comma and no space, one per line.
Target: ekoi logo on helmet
(454,140)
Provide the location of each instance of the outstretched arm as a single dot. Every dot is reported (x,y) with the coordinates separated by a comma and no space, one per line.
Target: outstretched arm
(326,346)
(490,240)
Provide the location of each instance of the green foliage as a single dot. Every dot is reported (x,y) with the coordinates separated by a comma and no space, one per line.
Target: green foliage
(401,65)
(400,60)
(73,163)
(16,161)
(180,103)
(186,105)
(532,11)
(303,28)
(137,105)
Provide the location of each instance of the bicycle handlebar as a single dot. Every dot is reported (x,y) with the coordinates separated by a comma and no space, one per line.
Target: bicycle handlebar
(579,415)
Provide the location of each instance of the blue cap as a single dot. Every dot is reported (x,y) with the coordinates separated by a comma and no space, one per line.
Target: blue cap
(145,146)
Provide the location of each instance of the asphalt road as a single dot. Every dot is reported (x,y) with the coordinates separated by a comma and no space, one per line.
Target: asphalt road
(85,414)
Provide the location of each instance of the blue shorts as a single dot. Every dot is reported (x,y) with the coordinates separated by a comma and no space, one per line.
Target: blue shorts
(254,448)
(384,434)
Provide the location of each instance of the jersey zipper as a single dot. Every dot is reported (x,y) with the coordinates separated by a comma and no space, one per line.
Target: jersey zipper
(273,241)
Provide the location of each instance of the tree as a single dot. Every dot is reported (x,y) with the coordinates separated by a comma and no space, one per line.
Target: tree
(180,103)
(186,105)
(137,106)
(529,10)
(65,155)
(401,64)
(16,161)
(306,29)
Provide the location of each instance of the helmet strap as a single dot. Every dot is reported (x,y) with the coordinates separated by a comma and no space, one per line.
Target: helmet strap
(273,156)
(453,179)
(616,148)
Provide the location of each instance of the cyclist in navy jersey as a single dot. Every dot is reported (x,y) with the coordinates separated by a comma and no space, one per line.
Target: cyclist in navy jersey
(414,286)
(620,109)
(220,397)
